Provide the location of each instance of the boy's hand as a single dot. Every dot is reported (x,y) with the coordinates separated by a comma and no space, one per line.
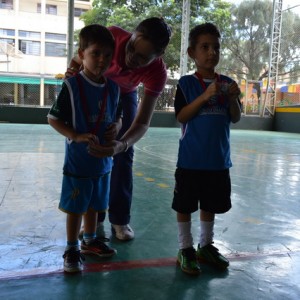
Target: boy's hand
(86,138)
(112,131)
(212,90)
(233,91)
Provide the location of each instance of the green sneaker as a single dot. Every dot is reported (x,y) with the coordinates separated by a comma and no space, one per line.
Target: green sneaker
(211,255)
(187,260)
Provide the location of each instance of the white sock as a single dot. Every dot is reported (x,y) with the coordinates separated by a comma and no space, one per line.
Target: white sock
(185,237)
(206,233)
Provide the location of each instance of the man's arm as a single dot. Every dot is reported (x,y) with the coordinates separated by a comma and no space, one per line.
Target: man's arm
(136,131)
(141,121)
(74,66)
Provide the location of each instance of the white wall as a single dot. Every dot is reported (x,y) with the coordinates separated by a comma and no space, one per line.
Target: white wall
(25,17)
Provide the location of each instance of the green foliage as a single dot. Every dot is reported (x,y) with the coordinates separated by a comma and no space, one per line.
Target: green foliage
(127,14)
(290,45)
(245,29)
(247,43)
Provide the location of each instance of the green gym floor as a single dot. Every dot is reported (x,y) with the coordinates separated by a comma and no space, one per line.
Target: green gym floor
(260,235)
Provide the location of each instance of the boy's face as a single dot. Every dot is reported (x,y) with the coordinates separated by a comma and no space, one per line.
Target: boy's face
(139,52)
(96,59)
(206,53)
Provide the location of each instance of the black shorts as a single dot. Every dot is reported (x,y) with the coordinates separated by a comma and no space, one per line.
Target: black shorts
(211,189)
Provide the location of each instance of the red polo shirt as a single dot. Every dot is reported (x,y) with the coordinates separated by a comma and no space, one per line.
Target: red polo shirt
(152,76)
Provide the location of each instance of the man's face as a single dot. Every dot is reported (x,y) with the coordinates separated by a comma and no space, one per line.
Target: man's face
(139,52)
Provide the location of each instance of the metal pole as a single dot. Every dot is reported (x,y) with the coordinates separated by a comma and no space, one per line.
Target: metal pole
(70,48)
(184,36)
(270,94)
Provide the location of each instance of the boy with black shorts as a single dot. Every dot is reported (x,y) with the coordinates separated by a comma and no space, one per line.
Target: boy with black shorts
(205,104)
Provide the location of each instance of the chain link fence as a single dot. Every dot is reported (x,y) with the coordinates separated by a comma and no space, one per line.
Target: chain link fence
(28,91)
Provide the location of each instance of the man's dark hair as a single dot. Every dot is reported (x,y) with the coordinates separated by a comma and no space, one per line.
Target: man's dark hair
(206,28)
(157,31)
(95,34)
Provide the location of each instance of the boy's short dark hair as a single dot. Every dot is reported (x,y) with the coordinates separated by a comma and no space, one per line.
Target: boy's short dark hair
(95,34)
(206,28)
(157,31)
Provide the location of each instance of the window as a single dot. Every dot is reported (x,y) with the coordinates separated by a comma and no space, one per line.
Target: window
(50,9)
(8,41)
(30,47)
(79,11)
(7,47)
(6,4)
(55,49)
(55,36)
(7,32)
(30,34)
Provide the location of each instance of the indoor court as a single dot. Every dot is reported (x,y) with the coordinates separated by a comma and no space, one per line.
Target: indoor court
(260,234)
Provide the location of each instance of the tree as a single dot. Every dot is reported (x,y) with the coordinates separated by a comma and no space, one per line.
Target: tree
(247,43)
(245,29)
(127,14)
(290,46)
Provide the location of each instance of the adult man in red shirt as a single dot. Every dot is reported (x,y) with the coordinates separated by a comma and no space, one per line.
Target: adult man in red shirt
(137,59)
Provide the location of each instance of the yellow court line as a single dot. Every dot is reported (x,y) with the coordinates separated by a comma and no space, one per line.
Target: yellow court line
(139,174)
(162,185)
(149,179)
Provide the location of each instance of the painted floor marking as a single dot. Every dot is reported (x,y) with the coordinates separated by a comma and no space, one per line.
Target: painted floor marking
(129,265)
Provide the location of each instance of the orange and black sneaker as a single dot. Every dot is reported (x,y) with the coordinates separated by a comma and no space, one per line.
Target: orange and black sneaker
(97,247)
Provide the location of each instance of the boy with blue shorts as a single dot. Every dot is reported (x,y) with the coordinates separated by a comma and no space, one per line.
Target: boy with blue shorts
(205,105)
(87,112)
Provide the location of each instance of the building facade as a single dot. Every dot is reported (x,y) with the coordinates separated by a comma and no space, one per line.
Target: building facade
(33,48)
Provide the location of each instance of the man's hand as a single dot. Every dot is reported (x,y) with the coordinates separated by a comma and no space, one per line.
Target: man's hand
(109,149)
(73,68)
(112,131)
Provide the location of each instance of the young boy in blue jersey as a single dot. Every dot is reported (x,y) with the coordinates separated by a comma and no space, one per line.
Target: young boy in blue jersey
(205,104)
(86,112)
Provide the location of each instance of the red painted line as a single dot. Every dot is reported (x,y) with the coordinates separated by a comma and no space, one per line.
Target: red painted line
(91,267)
(128,265)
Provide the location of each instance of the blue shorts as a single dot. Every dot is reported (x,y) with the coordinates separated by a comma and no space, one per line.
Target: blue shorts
(80,194)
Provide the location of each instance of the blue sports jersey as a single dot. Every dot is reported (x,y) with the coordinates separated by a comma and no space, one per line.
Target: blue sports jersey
(204,144)
(78,161)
